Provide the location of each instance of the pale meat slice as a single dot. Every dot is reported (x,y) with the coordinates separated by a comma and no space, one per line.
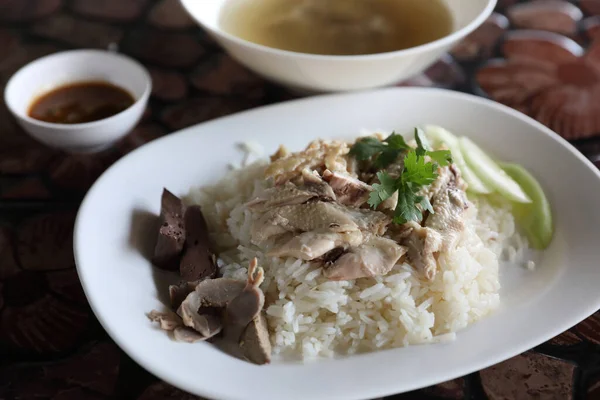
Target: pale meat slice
(448,217)
(348,190)
(377,256)
(319,216)
(303,217)
(443,179)
(313,182)
(319,154)
(447,176)
(390,203)
(307,187)
(423,246)
(369,221)
(449,201)
(285,195)
(169,321)
(311,245)
(268,225)
(442,228)
(280,153)
(188,335)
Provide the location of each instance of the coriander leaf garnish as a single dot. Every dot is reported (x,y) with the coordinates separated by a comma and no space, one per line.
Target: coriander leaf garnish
(383,190)
(423,145)
(396,146)
(442,157)
(426,204)
(416,172)
(366,148)
(406,209)
(386,157)
(386,151)
(396,141)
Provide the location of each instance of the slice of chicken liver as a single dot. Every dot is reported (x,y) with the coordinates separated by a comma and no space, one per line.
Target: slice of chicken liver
(212,292)
(178,293)
(199,312)
(255,343)
(198,261)
(245,307)
(202,308)
(245,332)
(207,324)
(215,293)
(171,234)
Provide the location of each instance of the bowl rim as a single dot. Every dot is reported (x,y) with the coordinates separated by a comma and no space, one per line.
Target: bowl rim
(10,85)
(445,40)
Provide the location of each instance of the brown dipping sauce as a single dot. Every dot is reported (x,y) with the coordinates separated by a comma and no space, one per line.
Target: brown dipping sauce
(80,102)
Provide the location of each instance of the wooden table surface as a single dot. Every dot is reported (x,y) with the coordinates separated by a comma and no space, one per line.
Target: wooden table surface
(52,347)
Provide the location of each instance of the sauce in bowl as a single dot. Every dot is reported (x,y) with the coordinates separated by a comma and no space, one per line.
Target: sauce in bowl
(80,102)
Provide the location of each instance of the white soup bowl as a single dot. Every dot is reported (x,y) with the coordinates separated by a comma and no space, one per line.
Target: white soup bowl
(323,73)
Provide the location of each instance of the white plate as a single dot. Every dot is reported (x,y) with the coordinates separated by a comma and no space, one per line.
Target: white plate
(121,285)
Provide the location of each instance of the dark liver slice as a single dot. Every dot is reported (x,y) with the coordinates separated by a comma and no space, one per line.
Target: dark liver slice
(178,293)
(198,262)
(255,343)
(171,235)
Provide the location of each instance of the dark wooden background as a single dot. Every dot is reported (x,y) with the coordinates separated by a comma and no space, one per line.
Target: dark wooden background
(52,347)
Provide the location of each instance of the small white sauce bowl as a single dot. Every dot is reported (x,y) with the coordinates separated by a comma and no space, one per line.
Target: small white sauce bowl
(323,73)
(50,72)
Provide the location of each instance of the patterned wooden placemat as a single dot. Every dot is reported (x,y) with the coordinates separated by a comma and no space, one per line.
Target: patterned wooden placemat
(538,57)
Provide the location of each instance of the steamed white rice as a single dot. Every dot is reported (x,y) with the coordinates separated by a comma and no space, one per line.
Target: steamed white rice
(310,316)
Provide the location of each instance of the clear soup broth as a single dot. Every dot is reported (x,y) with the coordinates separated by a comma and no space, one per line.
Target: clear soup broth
(337,27)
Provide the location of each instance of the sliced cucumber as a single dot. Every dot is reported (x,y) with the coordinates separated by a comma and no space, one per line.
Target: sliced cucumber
(439,135)
(490,172)
(535,218)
